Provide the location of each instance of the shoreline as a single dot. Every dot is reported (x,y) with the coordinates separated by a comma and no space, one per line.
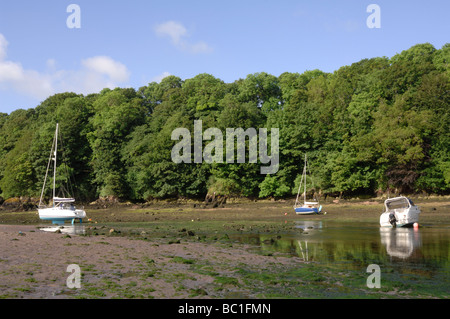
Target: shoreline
(433,210)
(178,251)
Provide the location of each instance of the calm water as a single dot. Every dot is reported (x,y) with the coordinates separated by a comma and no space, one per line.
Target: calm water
(349,243)
(417,257)
(329,241)
(422,254)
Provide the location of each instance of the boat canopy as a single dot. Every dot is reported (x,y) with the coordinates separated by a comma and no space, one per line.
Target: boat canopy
(398,203)
(63,200)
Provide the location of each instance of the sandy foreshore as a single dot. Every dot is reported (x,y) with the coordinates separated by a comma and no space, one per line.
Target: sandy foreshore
(33,264)
(169,263)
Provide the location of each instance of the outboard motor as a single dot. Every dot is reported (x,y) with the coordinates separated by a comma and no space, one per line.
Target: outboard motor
(392,220)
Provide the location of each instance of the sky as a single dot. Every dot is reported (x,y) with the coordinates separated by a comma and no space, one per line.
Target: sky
(52,46)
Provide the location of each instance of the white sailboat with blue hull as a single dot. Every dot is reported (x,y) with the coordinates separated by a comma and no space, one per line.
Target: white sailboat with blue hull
(308,207)
(60,209)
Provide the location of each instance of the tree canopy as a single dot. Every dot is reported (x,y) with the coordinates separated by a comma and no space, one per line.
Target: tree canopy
(376,125)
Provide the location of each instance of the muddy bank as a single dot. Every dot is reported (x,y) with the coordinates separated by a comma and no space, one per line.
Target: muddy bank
(435,210)
(34,263)
(177,250)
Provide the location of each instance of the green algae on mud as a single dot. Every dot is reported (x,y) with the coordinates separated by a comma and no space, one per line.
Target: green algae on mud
(344,277)
(249,250)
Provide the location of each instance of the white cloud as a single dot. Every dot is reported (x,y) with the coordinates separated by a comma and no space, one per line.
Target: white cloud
(174,30)
(177,34)
(13,75)
(160,77)
(116,71)
(95,74)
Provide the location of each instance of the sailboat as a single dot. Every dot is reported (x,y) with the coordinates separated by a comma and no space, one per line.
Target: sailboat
(308,207)
(61,208)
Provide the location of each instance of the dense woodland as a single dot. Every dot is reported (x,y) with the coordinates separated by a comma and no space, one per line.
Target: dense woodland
(378,125)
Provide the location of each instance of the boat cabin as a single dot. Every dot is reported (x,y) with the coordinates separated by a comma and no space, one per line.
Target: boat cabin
(64,203)
(398,204)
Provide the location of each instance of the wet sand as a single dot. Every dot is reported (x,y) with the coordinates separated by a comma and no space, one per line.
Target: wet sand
(34,263)
(170,263)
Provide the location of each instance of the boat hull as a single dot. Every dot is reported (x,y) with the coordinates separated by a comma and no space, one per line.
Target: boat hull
(57,215)
(306,210)
(403,219)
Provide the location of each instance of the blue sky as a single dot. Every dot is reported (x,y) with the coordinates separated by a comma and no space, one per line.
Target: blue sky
(134,42)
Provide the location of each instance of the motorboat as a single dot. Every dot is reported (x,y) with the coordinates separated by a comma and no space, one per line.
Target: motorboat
(399,212)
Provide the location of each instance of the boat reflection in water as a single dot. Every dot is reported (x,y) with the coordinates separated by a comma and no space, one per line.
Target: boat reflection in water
(308,225)
(400,242)
(69,230)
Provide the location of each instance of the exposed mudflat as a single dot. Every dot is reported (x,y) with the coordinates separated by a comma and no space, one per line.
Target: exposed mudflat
(176,250)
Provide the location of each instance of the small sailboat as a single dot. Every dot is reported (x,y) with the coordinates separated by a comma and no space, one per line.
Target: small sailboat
(308,207)
(61,208)
(399,212)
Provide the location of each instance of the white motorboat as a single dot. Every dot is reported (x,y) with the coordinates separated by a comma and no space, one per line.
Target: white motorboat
(399,212)
(308,207)
(61,208)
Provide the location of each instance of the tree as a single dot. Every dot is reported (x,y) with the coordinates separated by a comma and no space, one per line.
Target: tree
(18,177)
(116,113)
(262,90)
(377,124)
(399,134)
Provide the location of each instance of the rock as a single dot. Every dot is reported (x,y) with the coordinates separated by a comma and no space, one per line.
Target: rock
(269,241)
(20,204)
(215,200)
(105,202)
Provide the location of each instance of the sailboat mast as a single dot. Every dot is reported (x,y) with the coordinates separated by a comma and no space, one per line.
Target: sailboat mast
(46,174)
(304,173)
(54,167)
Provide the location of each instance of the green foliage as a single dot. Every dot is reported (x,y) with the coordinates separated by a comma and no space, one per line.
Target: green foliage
(116,113)
(375,125)
(18,178)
